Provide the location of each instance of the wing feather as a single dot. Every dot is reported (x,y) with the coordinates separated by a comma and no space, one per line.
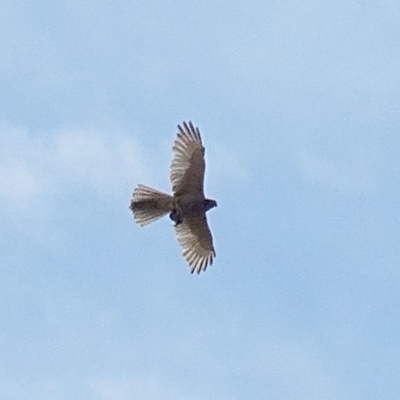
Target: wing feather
(195,238)
(188,165)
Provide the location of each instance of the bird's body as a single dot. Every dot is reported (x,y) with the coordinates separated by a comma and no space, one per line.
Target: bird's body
(190,204)
(187,206)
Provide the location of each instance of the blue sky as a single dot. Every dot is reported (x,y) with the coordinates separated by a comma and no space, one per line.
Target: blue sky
(298,104)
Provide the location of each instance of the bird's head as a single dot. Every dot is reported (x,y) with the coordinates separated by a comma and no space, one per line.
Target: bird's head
(209,204)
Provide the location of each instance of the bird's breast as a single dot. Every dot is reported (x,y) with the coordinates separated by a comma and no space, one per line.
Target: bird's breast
(190,204)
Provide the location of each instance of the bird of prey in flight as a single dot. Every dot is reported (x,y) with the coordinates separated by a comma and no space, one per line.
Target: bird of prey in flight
(188,205)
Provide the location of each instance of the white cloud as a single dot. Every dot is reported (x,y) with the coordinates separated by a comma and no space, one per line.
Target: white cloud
(17,183)
(103,162)
(32,167)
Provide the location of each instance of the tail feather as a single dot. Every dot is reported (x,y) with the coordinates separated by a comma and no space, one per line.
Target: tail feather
(149,205)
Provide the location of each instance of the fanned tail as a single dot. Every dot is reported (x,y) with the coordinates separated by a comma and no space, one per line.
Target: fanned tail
(149,205)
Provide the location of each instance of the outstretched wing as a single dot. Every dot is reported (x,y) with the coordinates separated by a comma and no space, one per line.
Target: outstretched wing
(188,166)
(195,238)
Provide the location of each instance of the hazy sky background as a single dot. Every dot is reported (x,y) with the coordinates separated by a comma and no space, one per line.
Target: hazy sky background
(298,103)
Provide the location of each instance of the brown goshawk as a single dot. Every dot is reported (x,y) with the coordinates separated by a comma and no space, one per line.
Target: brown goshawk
(188,205)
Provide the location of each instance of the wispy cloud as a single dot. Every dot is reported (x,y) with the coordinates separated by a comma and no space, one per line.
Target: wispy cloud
(18,184)
(103,161)
(20,181)
(36,167)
